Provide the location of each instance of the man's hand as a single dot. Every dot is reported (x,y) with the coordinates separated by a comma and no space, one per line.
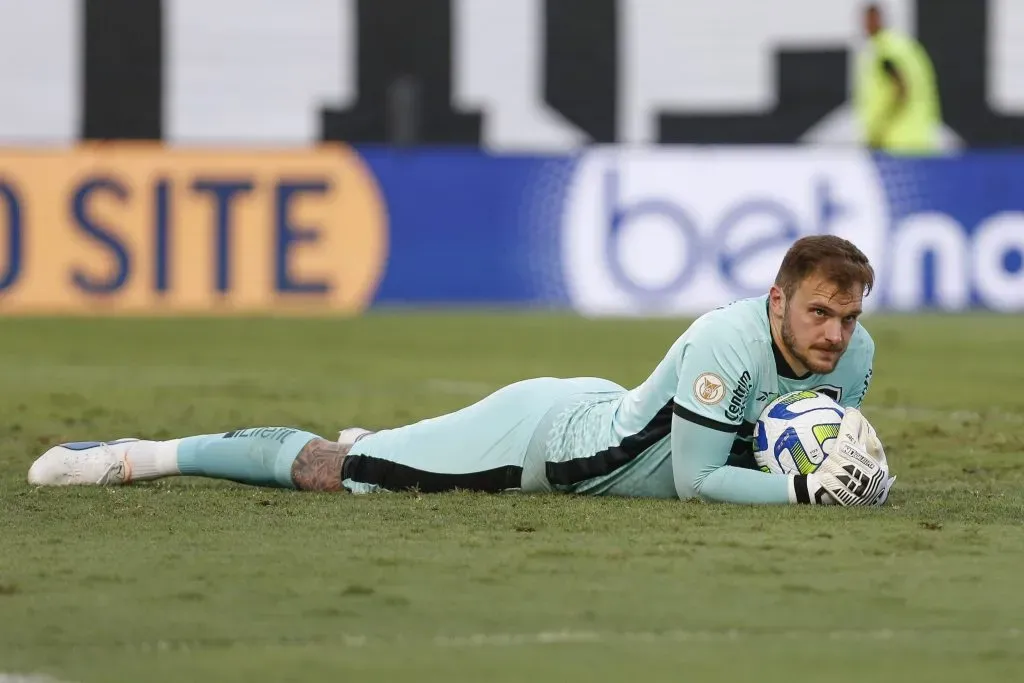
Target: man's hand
(856,472)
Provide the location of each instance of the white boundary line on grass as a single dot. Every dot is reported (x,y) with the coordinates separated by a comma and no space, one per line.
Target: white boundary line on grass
(682,636)
(571,637)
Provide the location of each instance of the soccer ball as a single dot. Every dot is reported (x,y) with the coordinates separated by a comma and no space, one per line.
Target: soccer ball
(796,432)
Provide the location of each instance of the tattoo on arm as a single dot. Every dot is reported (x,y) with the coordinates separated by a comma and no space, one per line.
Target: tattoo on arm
(318,467)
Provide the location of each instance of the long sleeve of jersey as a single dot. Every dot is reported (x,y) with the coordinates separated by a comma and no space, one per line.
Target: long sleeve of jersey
(716,375)
(699,454)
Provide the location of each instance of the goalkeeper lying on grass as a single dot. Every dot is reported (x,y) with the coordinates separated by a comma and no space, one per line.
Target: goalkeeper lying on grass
(685,432)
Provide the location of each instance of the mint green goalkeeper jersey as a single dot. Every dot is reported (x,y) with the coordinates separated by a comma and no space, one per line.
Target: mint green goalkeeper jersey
(687,430)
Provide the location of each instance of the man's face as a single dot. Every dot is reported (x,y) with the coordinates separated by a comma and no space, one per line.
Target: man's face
(872,22)
(818,321)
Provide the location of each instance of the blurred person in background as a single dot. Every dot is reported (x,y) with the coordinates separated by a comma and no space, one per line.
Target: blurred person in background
(895,93)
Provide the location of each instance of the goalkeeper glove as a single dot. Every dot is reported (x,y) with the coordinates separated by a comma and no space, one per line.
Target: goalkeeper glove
(854,473)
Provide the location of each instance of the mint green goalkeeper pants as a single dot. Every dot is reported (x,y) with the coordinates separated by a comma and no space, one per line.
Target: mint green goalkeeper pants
(492,445)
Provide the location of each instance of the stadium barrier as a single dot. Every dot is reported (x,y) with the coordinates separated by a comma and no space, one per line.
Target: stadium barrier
(144,229)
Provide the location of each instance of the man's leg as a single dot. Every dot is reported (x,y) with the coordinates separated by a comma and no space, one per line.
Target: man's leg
(279,457)
(318,466)
(482,447)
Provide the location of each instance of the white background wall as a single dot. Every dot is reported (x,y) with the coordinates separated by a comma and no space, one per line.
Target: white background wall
(249,71)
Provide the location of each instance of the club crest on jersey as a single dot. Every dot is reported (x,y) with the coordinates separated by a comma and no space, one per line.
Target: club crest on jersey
(709,388)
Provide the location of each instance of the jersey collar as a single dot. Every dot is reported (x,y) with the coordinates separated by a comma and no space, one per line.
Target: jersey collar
(782,367)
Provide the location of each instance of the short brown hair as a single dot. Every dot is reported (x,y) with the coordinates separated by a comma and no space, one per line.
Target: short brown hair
(837,260)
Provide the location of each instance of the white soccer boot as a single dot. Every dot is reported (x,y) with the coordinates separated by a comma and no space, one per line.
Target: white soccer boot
(93,463)
(347,437)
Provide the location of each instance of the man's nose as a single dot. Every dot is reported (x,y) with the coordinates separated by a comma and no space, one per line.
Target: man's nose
(834,331)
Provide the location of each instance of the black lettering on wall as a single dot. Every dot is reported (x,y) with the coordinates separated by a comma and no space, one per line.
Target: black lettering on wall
(581,72)
(122,72)
(956,37)
(809,85)
(404,78)
(404,66)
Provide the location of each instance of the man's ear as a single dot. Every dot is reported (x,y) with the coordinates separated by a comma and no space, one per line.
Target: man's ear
(777,300)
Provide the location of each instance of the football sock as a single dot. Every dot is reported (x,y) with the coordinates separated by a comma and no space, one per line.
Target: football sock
(153,459)
(260,456)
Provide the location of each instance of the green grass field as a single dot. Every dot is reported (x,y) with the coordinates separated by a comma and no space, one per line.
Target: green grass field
(194,580)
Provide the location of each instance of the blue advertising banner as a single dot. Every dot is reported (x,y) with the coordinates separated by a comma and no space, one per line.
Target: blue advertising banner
(679,230)
(470,228)
(956,232)
(146,229)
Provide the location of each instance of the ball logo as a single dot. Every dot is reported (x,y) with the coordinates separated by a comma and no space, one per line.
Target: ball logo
(679,232)
(709,388)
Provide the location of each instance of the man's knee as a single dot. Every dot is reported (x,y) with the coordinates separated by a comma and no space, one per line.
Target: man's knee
(318,465)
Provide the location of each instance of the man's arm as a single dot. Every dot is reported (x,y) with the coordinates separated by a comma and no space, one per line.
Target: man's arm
(851,475)
(887,116)
(717,370)
(699,454)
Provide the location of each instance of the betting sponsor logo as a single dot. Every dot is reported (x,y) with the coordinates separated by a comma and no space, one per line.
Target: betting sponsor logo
(681,231)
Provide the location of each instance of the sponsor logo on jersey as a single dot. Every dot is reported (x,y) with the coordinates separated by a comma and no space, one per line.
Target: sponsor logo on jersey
(739,397)
(709,388)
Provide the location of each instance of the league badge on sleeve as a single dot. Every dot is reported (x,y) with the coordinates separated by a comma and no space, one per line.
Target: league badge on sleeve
(709,388)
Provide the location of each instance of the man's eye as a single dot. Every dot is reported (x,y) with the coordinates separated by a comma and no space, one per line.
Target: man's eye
(820,311)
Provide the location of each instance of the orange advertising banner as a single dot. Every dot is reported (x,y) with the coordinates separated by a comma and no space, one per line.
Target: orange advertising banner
(145,229)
